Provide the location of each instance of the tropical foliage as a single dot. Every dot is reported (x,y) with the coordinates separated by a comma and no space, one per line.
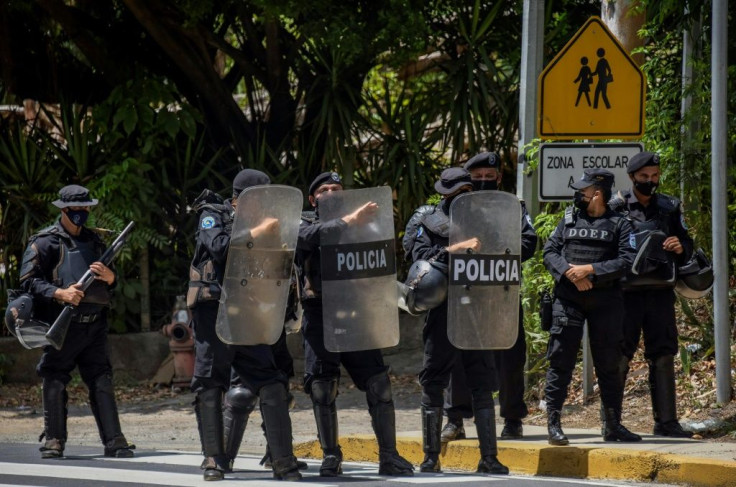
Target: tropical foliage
(147,102)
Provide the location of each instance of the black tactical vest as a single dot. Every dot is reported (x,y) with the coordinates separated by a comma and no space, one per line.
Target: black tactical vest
(590,241)
(204,275)
(412,227)
(664,206)
(437,222)
(76,257)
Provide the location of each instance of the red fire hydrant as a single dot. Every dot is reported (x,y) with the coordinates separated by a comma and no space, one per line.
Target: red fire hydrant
(181,343)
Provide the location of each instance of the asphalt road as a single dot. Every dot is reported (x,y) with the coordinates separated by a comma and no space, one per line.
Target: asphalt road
(86,467)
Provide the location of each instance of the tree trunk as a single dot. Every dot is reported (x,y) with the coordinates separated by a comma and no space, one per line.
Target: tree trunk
(145,291)
(188,50)
(625,23)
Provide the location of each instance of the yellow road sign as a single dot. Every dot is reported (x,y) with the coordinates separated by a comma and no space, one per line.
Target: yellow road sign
(592,89)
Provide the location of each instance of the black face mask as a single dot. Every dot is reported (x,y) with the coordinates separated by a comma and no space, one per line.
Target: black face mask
(579,202)
(647,188)
(485,185)
(78,217)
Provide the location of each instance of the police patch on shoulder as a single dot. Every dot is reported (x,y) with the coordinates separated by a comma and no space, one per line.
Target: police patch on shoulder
(208,222)
(632,240)
(420,231)
(682,221)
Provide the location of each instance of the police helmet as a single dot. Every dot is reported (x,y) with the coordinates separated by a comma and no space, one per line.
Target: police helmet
(695,278)
(428,286)
(20,310)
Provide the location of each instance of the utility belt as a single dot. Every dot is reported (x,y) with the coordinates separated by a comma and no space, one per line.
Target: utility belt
(606,285)
(86,317)
(645,283)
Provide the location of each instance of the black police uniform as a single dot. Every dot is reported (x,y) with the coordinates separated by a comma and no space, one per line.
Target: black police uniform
(55,259)
(606,243)
(255,365)
(322,367)
(441,356)
(650,298)
(509,366)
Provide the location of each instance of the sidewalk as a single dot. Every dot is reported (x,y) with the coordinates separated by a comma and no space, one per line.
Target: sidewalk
(656,459)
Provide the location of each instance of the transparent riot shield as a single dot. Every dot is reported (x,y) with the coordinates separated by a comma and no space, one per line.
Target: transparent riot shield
(359,273)
(483,293)
(255,287)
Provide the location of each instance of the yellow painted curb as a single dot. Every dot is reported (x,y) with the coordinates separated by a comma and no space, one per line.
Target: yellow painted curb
(554,461)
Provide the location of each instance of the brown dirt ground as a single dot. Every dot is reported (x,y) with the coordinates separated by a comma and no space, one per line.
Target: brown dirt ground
(156,417)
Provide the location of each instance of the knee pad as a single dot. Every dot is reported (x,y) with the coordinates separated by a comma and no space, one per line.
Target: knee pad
(240,400)
(324,392)
(379,388)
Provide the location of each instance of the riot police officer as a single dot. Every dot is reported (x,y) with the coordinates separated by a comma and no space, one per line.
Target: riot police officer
(440,356)
(649,296)
(588,253)
(485,173)
(322,367)
(255,365)
(56,258)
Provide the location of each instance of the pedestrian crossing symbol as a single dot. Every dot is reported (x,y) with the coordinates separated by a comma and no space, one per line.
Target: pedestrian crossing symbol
(592,89)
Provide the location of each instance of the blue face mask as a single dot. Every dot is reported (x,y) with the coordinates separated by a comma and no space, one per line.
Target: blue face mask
(78,217)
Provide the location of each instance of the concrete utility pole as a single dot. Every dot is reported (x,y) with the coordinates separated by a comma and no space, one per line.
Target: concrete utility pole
(687,129)
(532,43)
(719,58)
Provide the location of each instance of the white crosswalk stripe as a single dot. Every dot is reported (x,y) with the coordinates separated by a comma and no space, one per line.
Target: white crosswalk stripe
(137,477)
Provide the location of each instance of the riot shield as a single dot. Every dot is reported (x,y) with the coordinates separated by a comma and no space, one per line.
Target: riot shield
(359,273)
(255,287)
(483,294)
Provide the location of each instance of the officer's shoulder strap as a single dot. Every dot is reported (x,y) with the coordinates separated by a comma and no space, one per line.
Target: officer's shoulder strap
(667,204)
(570,216)
(421,211)
(618,219)
(210,200)
(52,230)
(618,202)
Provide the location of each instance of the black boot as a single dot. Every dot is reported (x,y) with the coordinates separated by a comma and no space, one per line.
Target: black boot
(662,389)
(239,403)
(54,418)
(383,419)
(623,370)
(105,410)
(485,425)
(323,394)
(266,460)
(512,429)
(208,406)
(275,410)
(431,432)
(615,431)
(554,429)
